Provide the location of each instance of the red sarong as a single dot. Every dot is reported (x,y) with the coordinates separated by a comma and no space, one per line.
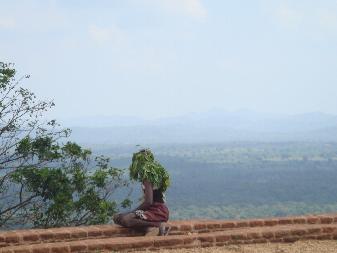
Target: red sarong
(157,212)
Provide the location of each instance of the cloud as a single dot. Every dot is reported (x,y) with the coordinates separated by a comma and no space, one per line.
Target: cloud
(328,19)
(7,23)
(289,17)
(321,19)
(102,35)
(32,16)
(192,8)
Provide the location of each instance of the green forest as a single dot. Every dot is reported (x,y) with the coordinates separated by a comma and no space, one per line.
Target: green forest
(244,179)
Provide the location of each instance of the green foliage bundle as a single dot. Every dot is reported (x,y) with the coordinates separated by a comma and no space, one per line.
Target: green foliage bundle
(145,167)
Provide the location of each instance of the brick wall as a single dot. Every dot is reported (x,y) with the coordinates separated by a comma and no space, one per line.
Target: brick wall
(184,234)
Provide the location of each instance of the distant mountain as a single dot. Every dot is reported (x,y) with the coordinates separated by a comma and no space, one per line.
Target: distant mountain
(102,121)
(212,126)
(249,120)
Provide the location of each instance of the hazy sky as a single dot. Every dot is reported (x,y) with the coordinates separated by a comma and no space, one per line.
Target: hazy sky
(155,58)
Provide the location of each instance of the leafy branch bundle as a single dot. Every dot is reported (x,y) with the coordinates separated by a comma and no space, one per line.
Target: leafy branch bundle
(145,167)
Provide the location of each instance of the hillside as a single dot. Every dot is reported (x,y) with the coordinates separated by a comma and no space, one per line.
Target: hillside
(242,180)
(205,127)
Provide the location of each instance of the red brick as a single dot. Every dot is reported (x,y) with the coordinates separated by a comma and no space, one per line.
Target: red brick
(168,242)
(142,244)
(241,224)
(3,244)
(254,235)
(328,229)
(78,234)
(40,248)
(268,235)
(2,238)
(30,237)
(312,220)
(240,236)
(213,225)
(97,245)
(7,251)
(256,223)
(78,246)
(314,230)
(206,238)
(94,232)
(285,221)
(222,238)
(282,233)
(291,239)
(12,237)
(23,249)
(298,232)
(189,240)
(326,220)
(185,227)
(174,227)
(299,220)
(199,226)
(270,222)
(228,225)
(121,230)
(46,235)
(107,233)
(204,231)
(114,246)
(60,249)
(61,234)
(207,244)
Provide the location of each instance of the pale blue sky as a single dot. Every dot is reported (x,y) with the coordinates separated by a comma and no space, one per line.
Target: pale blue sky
(157,58)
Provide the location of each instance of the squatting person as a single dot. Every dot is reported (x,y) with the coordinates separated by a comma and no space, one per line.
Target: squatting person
(153,213)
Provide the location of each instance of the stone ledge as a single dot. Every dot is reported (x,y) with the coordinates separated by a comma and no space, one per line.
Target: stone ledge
(66,234)
(281,233)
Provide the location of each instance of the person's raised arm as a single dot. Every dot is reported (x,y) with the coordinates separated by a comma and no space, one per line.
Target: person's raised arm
(148,196)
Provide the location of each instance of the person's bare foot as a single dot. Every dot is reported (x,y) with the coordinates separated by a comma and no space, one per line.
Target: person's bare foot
(164,229)
(152,231)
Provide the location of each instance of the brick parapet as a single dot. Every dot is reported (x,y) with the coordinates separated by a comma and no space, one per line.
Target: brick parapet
(200,229)
(281,233)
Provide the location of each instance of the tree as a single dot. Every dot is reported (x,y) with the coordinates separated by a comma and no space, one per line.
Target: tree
(46,180)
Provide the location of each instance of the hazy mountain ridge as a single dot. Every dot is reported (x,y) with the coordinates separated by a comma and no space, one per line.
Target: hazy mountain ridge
(212,126)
